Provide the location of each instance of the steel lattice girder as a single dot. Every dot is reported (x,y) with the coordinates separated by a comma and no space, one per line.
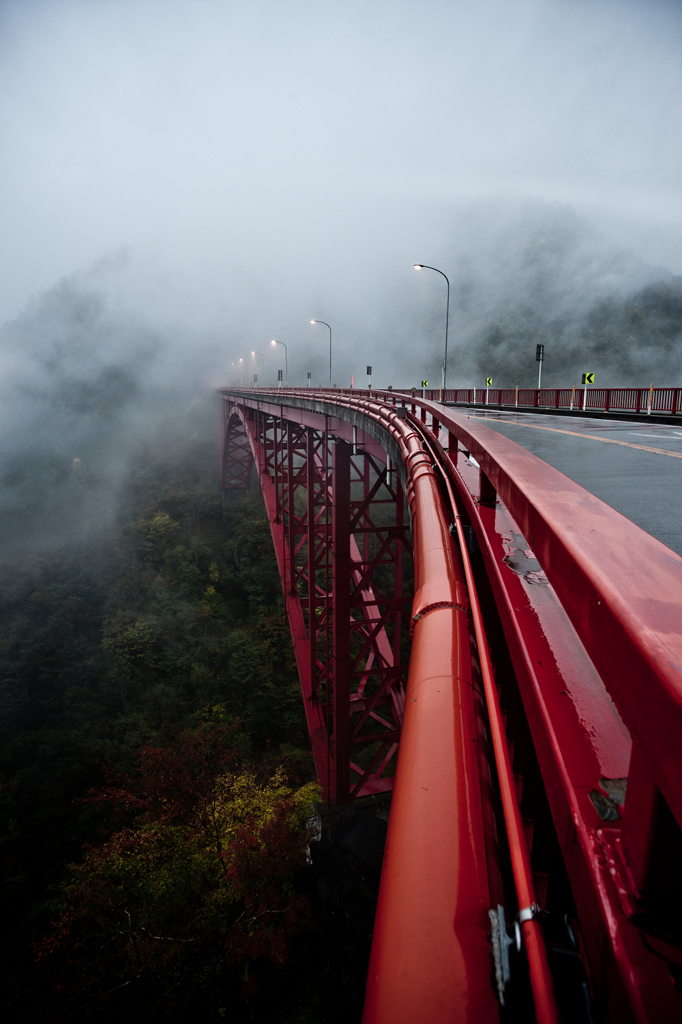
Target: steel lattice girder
(337,521)
(237,458)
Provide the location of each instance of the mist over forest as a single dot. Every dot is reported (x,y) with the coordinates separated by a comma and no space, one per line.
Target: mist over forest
(88,377)
(185,182)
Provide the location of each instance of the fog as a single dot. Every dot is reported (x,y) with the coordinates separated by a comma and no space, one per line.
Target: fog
(185,180)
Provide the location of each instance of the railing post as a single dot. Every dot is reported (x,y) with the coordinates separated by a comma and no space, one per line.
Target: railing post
(487,492)
(651,395)
(517,397)
(453,446)
(607,404)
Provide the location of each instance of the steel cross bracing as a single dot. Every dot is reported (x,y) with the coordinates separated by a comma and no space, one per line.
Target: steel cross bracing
(338,523)
(582,614)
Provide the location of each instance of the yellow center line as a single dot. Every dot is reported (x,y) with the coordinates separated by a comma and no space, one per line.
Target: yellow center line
(591,437)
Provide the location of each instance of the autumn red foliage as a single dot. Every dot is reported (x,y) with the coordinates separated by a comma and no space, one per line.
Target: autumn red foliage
(206,880)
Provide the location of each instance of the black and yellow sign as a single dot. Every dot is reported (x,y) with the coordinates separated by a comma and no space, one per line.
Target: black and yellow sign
(588,378)
(425,383)
(488,381)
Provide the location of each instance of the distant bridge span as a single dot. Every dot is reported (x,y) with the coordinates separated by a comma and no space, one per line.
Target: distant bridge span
(542,682)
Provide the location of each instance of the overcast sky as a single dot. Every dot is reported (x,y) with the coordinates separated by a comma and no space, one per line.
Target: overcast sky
(266,162)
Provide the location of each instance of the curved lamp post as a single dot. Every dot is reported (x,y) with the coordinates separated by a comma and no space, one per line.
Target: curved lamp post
(286,360)
(423,266)
(253,356)
(330,346)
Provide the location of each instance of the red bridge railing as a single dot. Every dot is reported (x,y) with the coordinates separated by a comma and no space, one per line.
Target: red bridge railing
(636,400)
(581,652)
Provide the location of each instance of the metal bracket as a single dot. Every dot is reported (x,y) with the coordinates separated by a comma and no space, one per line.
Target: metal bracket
(501,943)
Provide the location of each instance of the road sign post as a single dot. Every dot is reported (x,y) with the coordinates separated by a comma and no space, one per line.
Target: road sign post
(369,375)
(488,382)
(309,378)
(588,378)
(279,378)
(539,356)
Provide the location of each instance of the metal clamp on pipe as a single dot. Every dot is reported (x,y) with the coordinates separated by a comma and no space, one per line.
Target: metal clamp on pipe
(528,913)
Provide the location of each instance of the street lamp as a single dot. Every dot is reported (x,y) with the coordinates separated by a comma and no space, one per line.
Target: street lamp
(253,356)
(241,373)
(286,360)
(330,346)
(423,266)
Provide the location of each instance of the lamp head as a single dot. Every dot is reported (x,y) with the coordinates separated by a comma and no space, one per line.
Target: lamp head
(273,342)
(418,266)
(313,321)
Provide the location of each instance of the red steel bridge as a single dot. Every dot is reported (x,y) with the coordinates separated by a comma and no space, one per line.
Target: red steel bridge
(482,636)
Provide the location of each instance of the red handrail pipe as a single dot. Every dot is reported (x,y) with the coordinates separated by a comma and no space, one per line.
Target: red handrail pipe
(430,958)
(546,1011)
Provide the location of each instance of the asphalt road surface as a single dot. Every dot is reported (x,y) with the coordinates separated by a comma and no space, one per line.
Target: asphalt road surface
(634,467)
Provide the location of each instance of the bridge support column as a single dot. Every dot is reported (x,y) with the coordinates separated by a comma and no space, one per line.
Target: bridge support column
(341,566)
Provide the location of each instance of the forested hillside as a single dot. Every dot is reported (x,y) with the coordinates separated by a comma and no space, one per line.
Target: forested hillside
(156,781)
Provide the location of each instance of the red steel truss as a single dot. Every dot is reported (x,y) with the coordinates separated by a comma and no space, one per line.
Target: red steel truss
(338,523)
(580,650)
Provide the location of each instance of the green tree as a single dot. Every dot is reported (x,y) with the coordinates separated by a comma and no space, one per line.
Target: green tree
(181,902)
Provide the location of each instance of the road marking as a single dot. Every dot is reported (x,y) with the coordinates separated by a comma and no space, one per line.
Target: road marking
(591,437)
(673,435)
